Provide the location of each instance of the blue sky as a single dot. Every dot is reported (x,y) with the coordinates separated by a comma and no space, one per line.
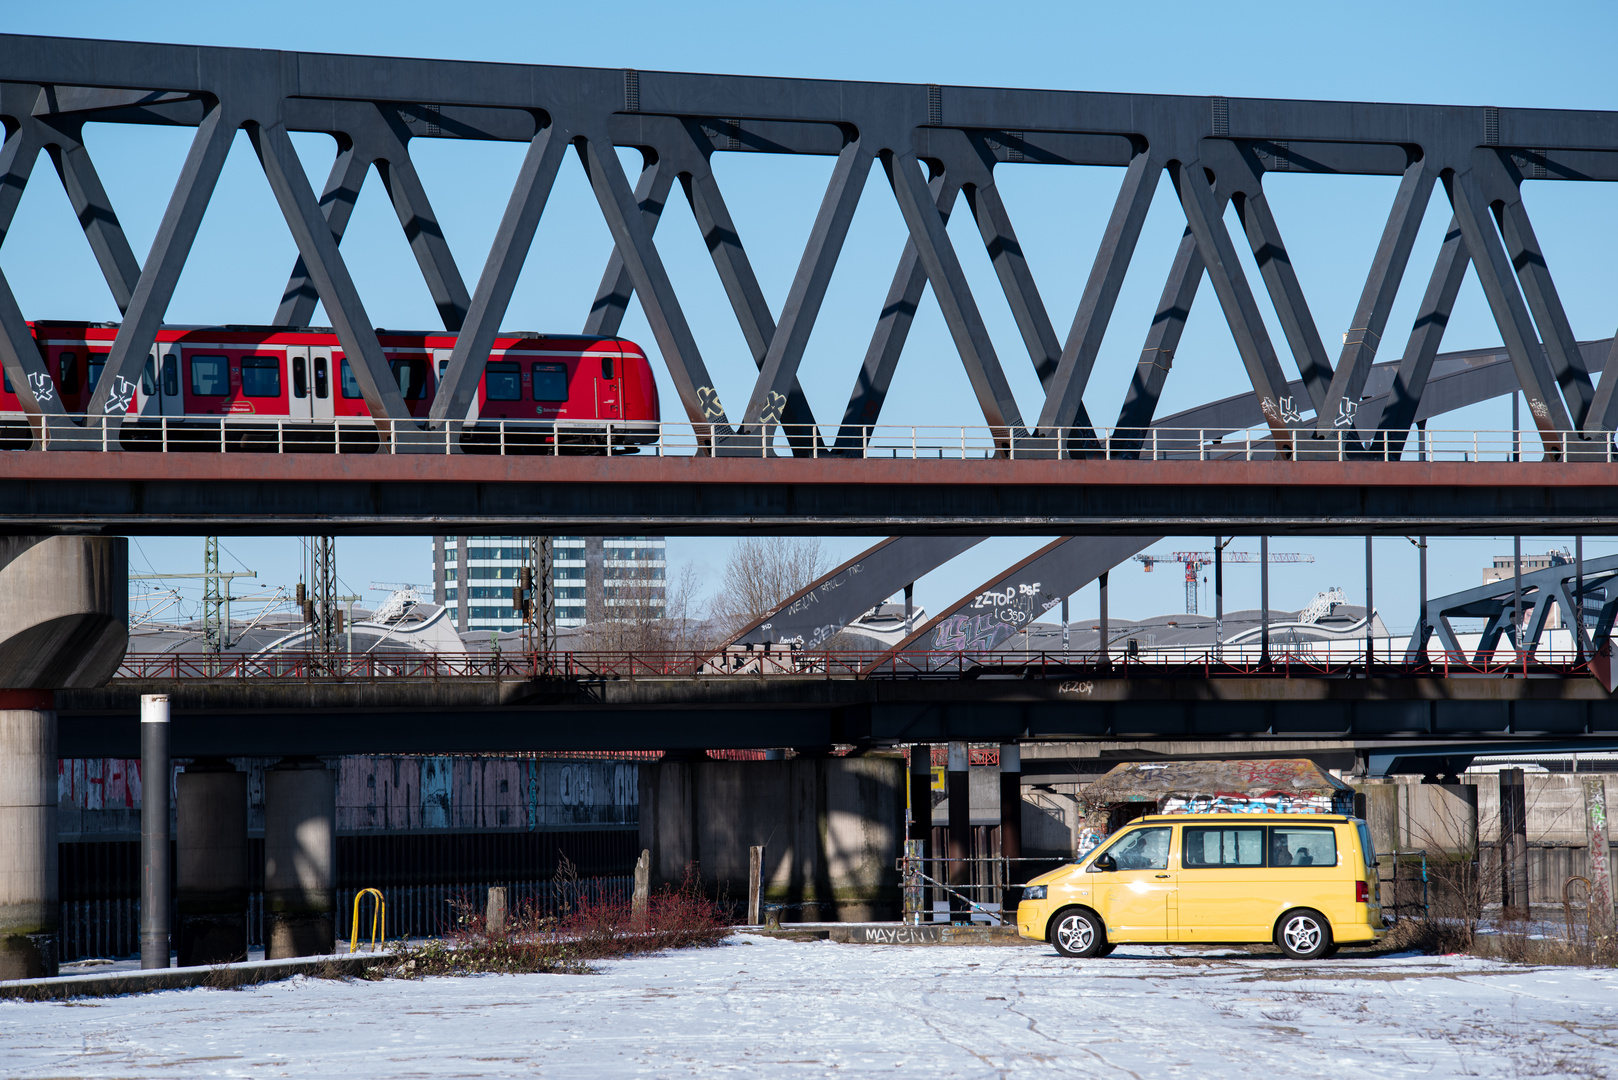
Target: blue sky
(1550,55)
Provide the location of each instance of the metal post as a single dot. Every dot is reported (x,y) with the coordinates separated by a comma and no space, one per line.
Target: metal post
(1421,575)
(755,883)
(1064,629)
(1102,650)
(1513,845)
(960,831)
(921,811)
(1595,816)
(1516,455)
(1264,599)
(1370,610)
(154,831)
(1578,596)
(910,591)
(1219,593)
(1010,820)
(1516,593)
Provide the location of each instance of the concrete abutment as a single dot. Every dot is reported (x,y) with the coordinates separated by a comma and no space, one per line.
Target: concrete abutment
(29,912)
(300,850)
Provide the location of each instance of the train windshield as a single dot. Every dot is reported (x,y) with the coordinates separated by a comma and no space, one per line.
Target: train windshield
(503,379)
(261,376)
(550,382)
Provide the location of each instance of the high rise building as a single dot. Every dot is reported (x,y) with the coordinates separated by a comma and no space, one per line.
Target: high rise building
(595,578)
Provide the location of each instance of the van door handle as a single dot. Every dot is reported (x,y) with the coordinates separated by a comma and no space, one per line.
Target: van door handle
(1162,875)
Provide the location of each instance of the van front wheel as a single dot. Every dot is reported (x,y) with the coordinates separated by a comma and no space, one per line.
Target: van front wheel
(1303,934)
(1077,932)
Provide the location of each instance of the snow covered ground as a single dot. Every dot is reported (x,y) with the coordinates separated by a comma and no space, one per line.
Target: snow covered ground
(766,1008)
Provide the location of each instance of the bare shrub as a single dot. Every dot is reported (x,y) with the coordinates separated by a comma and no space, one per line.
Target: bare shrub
(762,572)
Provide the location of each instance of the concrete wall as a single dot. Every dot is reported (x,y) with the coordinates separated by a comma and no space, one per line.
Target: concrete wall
(1555,807)
(1422,817)
(833,830)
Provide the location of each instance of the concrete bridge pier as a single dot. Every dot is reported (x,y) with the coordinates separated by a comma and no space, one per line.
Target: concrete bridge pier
(29,911)
(300,859)
(210,887)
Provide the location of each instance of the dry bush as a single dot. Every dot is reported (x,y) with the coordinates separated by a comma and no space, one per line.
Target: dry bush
(761,572)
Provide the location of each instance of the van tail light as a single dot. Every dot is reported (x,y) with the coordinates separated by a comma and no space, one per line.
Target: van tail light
(1362,892)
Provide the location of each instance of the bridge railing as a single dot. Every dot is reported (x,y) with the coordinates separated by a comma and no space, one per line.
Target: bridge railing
(413,666)
(247,433)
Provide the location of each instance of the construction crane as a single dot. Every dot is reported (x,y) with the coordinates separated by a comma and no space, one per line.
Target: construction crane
(1195,560)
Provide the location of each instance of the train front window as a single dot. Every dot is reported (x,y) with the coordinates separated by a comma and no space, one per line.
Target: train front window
(261,376)
(410,372)
(95,364)
(503,380)
(68,368)
(606,368)
(550,382)
(351,386)
(210,376)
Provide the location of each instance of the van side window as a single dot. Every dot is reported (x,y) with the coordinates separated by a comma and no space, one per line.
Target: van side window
(1144,849)
(550,382)
(171,374)
(68,372)
(1302,845)
(1221,845)
(209,376)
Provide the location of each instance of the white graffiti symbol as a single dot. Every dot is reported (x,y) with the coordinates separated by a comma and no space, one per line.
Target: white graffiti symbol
(708,399)
(1538,408)
(1289,411)
(773,405)
(123,392)
(44,389)
(1345,412)
(1266,406)
(1076,688)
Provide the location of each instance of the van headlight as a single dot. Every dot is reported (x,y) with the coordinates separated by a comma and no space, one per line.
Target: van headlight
(1033,892)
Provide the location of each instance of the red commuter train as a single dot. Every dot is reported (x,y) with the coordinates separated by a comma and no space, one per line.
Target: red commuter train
(243,373)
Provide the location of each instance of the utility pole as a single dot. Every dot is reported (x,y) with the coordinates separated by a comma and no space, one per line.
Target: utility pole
(319,601)
(215,600)
(533,597)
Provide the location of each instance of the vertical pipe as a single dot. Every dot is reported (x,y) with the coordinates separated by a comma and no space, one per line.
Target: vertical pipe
(960,830)
(1264,599)
(1010,821)
(1102,650)
(1513,844)
(1370,611)
(1516,593)
(154,831)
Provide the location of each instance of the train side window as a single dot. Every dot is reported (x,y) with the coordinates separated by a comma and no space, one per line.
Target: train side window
(351,386)
(68,369)
(148,377)
(261,376)
(94,364)
(300,377)
(8,382)
(606,368)
(550,382)
(443,366)
(171,374)
(503,380)
(210,376)
(410,373)
(322,379)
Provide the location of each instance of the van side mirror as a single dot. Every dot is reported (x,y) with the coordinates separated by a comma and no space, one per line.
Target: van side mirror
(1104,863)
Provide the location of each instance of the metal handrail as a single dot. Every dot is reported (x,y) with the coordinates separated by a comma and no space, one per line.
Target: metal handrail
(235,433)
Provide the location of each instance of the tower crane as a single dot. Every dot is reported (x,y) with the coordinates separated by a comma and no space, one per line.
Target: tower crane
(1195,560)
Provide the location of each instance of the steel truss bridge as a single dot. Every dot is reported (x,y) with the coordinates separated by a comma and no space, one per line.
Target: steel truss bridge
(935,144)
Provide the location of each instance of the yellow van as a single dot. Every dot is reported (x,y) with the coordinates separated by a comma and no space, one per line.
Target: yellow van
(1307,882)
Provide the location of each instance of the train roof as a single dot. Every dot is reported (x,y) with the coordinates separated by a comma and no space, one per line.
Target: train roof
(252,328)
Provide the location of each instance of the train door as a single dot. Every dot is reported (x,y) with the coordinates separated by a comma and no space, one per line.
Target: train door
(321,381)
(170,393)
(148,397)
(610,389)
(300,384)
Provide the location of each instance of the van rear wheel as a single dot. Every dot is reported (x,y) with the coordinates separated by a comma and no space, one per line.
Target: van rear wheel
(1303,934)
(1077,932)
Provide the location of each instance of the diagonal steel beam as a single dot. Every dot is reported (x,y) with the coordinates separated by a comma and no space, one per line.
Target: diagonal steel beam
(1203,214)
(94,211)
(780,371)
(1011,267)
(1410,380)
(318,246)
(1376,299)
(1603,414)
(487,306)
(420,223)
(175,234)
(1495,273)
(1064,396)
(1163,339)
(613,294)
(1281,281)
(651,280)
(892,328)
(343,183)
(1528,258)
(943,267)
(19,357)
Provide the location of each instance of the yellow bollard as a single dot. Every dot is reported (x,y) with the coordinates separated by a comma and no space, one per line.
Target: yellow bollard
(379,931)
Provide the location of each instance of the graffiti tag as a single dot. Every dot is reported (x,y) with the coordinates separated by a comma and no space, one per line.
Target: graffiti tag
(123,393)
(40,382)
(1072,687)
(708,401)
(1345,412)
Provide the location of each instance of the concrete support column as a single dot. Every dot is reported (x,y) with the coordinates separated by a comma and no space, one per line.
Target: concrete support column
(960,830)
(154,831)
(29,909)
(1011,803)
(300,849)
(921,817)
(210,887)
(1513,844)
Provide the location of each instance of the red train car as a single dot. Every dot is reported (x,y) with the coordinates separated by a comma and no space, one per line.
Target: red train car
(246,372)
